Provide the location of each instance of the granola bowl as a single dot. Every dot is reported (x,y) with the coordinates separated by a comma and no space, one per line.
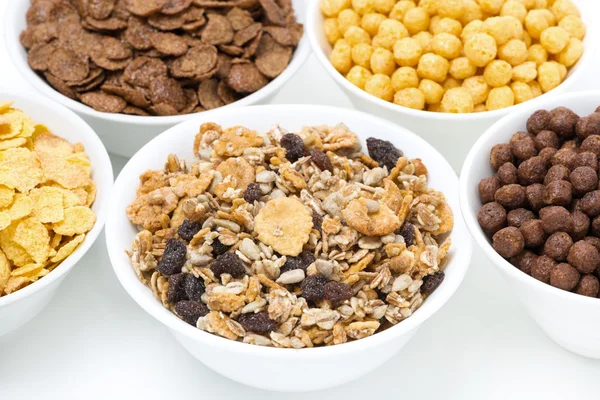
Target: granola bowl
(137,129)
(26,302)
(298,369)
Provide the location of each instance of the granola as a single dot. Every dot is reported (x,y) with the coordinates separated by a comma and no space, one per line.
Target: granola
(290,240)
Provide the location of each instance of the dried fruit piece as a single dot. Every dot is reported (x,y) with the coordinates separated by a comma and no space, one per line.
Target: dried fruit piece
(313,287)
(337,292)
(302,261)
(257,322)
(219,248)
(176,292)
(321,160)
(384,152)
(188,229)
(228,263)
(173,258)
(252,193)
(193,287)
(190,311)
(432,282)
(294,146)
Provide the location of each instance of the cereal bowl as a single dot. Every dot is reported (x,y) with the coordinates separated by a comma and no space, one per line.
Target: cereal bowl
(19,307)
(571,320)
(137,130)
(298,369)
(452,134)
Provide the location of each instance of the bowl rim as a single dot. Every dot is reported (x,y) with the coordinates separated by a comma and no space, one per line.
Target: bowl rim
(314,13)
(467,199)
(103,198)
(14,48)
(130,282)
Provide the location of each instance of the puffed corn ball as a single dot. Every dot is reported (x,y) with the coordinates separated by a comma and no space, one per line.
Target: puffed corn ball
(454,56)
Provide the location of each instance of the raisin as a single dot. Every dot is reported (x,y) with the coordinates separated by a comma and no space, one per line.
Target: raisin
(194,287)
(321,160)
(383,152)
(188,229)
(257,322)
(313,287)
(431,282)
(176,293)
(336,292)
(190,311)
(228,263)
(317,221)
(294,146)
(408,233)
(252,193)
(173,258)
(219,248)
(302,261)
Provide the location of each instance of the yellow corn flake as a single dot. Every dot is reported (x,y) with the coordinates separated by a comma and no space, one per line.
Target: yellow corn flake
(33,236)
(47,204)
(55,241)
(20,169)
(68,248)
(91,193)
(4,271)
(68,174)
(15,283)
(28,270)
(48,144)
(79,219)
(4,220)
(21,207)
(11,143)
(5,106)
(6,196)
(28,128)
(14,126)
(11,249)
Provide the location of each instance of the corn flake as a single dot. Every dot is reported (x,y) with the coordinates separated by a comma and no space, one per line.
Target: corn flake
(21,207)
(20,169)
(79,219)
(4,270)
(34,238)
(6,196)
(68,248)
(4,220)
(47,204)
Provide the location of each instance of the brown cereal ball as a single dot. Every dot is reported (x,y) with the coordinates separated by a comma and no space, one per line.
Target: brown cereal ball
(536,23)
(478,88)
(407,52)
(500,154)
(424,38)
(525,73)
(565,157)
(522,92)
(416,20)
(571,144)
(507,174)
(500,97)
(593,241)
(584,179)
(586,159)
(547,154)
(524,261)
(532,171)
(400,8)
(450,8)
(524,149)
(588,286)
(389,32)
(557,246)
(370,22)
(446,45)
(497,73)
(537,54)
(382,62)
(432,91)
(562,8)
(557,173)
(491,217)
(331,8)
(549,76)
(591,144)
(511,196)
(359,76)
(410,98)
(584,256)
(447,25)
(434,67)
(545,139)
(538,121)
(508,242)
(462,68)
(574,26)
(487,189)
(514,52)
(571,53)
(554,39)
(590,203)
(341,56)
(581,225)
(556,219)
(564,276)
(361,55)
(587,126)
(595,226)
(520,135)
(380,86)
(405,77)
(480,48)
(558,193)
(542,267)
(535,196)
(533,232)
(519,216)
(458,100)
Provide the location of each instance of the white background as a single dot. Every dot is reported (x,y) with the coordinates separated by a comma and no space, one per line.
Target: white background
(94,342)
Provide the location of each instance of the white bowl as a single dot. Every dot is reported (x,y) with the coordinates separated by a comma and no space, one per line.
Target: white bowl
(571,320)
(452,134)
(125,134)
(19,307)
(296,370)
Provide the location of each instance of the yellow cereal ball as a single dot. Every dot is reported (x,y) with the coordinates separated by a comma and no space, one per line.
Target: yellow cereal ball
(502,29)
(561,69)
(447,25)
(548,76)
(416,20)
(401,8)
(332,32)
(525,72)
(480,48)
(432,91)
(434,67)
(451,83)
(514,8)
(424,38)
(363,6)
(341,56)
(562,8)
(384,6)
(390,31)
(537,54)
(361,55)
(458,100)
(480,108)
(527,39)
(348,18)
(491,6)
(446,45)
(471,28)
(380,86)
(331,8)
(514,52)
(521,91)
(450,8)
(536,23)
(405,77)
(462,68)
(497,73)
(358,76)
(472,12)
(435,108)
(411,98)
(429,5)
(407,52)
(355,35)
(370,22)
(572,53)
(574,26)
(433,23)
(549,16)
(500,97)
(478,88)
(541,3)
(554,39)
(536,89)
(382,61)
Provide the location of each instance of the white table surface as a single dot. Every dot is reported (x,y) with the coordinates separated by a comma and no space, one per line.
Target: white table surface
(92,341)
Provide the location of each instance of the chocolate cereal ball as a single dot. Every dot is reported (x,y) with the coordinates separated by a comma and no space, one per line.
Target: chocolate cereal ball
(538,121)
(584,179)
(557,173)
(594,241)
(591,144)
(547,155)
(558,193)
(587,126)
(532,171)
(541,267)
(556,219)
(491,217)
(546,139)
(524,261)
(517,217)
(590,203)
(564,157)
(507,174)
(533,233)
(586,159)
(563,121)
(535,196)
(557,246)
(488,188)
(584,256)
(523,149)
(508,242)
(595,226)
(581,225)
(511,196)
(570,144)
(501,154)
(520,136)
(588,286)
(564,276)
